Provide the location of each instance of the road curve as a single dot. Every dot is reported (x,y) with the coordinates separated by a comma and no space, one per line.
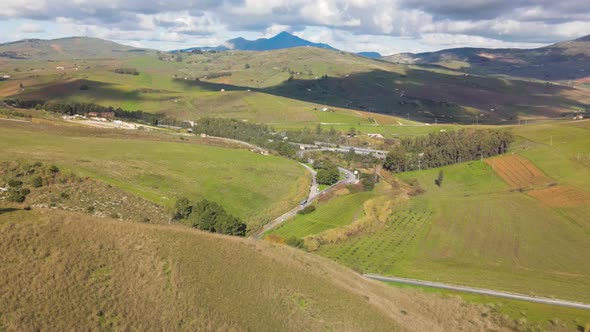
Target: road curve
(482,291)
(349,178)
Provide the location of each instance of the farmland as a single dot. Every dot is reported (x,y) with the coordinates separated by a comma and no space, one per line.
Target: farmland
(290,88)
(337,212)
(255,189)
(491,222)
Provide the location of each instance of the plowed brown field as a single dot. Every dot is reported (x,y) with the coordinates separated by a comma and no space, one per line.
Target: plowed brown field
(518,172)
(561,196)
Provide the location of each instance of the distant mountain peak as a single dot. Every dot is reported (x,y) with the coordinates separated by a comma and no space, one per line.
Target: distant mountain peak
(281,40)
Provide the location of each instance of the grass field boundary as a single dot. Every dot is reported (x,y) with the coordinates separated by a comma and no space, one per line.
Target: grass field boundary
(481,291)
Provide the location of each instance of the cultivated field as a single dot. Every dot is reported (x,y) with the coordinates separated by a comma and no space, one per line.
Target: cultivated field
(337,212)
(518,172)
(377,252)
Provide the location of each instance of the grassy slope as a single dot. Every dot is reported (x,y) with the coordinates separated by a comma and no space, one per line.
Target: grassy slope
(249,185)
(64,271)
(337,212)
(482,234)
(353,83)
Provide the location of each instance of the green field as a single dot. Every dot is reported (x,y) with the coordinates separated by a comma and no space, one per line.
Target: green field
(337,212)
(290,87)
(481,233)
(536,316)
(251,186)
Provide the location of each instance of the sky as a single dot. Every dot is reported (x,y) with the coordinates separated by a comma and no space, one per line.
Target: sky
(385,26)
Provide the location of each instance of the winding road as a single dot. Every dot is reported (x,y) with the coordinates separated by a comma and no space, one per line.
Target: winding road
(314,192)
(481,291)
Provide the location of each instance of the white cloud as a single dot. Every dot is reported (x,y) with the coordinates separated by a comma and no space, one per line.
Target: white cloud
(30,28)
(433,23)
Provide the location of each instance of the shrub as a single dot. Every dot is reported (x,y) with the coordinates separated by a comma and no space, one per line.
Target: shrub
(368,181)
(295,242)
(15,196)
(90,209)
(307,210)
(53,169)
(25,191)
(14,183)
(64,195)
(37,182)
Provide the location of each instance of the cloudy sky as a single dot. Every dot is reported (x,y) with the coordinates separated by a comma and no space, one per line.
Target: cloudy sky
(386,26)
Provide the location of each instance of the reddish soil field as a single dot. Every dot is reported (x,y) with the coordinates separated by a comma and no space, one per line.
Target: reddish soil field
(561,196)
(518,172)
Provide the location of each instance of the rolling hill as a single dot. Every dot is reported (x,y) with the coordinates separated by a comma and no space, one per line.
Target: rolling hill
(569,60)
(68,48)
(289,86)
(67,271)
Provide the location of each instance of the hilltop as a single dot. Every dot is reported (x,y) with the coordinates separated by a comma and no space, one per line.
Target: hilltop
(80,272)
(568,60)
(68,48)
(280,41)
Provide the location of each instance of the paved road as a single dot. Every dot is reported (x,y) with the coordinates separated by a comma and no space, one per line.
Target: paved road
(314,192)
(481,291)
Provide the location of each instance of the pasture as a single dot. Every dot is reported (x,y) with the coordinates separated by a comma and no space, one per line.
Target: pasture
(339,211)
(253,187)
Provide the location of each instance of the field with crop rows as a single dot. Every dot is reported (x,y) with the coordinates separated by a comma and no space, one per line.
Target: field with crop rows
(377,252)
(518,172)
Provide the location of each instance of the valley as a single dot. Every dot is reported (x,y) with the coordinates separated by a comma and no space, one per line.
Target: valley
(483,182)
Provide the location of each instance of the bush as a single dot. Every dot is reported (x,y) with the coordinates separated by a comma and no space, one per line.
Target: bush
(368,181)
(328,176)
(14,183)
(90,209)
(295,242)
(53,169)
(25,191)
(15,196)
(307,210)
(182,209)
(37,182)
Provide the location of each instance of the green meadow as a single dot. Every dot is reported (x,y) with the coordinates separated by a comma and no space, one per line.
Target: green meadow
(251,186)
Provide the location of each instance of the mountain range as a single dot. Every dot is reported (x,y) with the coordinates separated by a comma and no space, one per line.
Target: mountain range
(280,41)
(566,60)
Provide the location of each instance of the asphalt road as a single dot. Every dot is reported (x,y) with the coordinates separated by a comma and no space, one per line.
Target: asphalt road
(314,192)
(482,291)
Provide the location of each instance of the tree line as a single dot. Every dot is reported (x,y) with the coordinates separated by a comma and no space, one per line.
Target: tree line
(446,148)
(85,108)
(127,71)
(208,216)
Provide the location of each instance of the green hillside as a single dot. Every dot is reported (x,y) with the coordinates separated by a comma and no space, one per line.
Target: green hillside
(68,49)
(292,86)
(253,187)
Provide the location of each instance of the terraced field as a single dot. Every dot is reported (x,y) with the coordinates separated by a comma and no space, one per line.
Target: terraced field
(378,252)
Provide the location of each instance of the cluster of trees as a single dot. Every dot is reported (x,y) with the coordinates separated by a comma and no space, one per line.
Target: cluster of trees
(328,172)
(446,148)
(318,134)
(85,108)
(257,134)
(216,75)
(127,71)
(208,216)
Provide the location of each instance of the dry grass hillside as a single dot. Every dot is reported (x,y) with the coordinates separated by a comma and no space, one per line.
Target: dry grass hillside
(69,271)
